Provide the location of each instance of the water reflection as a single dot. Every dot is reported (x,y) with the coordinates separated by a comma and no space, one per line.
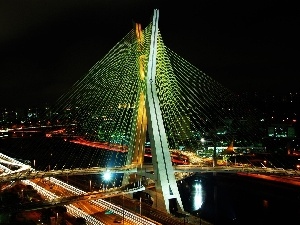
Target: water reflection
(198,195)
(226,199)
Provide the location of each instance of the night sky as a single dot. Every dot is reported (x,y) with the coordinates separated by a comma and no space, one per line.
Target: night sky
(47,45)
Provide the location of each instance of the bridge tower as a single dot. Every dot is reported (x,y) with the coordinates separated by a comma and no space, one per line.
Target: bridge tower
(161,158)
(149,116)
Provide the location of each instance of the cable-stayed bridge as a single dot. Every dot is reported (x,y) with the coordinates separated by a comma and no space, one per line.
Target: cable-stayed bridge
(139,92)
(23,171)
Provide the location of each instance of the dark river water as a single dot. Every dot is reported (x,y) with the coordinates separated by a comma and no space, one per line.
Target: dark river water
(218,198)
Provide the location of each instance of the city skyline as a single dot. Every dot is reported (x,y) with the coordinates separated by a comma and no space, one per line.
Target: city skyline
(47,46)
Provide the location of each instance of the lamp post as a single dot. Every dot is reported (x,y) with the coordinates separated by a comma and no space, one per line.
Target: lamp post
(200,220)
(49,166)
(214,155)
(107,178)
(184,219)
(140,206)
(123,209)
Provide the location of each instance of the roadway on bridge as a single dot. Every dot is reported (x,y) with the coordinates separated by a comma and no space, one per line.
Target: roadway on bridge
(54,190)
(88,207)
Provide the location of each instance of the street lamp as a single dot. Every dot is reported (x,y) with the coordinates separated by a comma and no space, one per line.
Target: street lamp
(123,208)
(200,220)
(184,216)
(140,206)
(214,156)
(106,177)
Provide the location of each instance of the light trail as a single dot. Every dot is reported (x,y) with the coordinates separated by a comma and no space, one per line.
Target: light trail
(77,212)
